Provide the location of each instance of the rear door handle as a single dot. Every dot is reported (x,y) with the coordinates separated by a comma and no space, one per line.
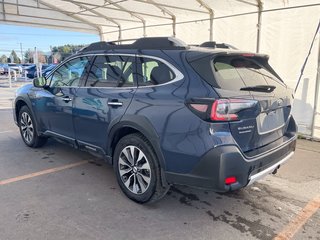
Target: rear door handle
(66,99)
(117,104)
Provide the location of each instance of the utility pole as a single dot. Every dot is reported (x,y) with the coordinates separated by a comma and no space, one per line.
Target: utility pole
(51,54)
(22,60)
(35,60)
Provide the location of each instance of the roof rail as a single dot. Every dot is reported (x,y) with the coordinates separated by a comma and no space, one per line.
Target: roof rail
(96,46)
(213,44)
(160,43)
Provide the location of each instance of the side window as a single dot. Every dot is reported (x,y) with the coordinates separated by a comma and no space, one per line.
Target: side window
(111,71)
(154,72)
(70,73)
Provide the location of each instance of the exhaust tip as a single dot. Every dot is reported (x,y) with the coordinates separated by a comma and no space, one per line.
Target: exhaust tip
(275,170)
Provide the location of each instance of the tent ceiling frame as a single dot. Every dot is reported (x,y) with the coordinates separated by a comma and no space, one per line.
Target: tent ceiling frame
(46,18)
(116,9)
(51,25)
(132,14)
(249,3)
(173,7)
(84,10)
(75,17)
(67,13)
(211,16)
(102,16)
(168,12)
(93,8)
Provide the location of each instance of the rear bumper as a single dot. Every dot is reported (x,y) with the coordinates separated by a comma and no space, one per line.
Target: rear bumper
(226,161)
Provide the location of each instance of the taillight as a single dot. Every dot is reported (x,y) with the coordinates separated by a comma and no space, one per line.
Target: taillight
(220,109)
(199,107)
(227,109)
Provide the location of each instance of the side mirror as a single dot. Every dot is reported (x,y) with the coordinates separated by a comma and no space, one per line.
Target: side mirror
(39,82)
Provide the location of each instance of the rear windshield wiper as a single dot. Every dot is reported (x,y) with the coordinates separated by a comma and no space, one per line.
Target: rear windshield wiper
(259,88)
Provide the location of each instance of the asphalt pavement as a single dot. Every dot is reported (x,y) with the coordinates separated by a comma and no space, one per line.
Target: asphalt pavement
(57,192)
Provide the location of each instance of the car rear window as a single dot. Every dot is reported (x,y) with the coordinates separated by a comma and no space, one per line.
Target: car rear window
(235,72)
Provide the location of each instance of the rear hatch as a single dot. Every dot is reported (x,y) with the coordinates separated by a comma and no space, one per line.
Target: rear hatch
(249,76)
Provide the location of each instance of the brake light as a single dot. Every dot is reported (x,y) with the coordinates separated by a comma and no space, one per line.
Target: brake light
(227,109)
(248,55)
(220,109)
(230,180)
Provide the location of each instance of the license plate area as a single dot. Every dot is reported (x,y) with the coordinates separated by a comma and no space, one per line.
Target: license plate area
(270,121)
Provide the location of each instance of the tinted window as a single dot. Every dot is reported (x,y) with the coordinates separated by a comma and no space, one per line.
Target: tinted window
(70,73)
(154,72)
(111,71)
(235,72)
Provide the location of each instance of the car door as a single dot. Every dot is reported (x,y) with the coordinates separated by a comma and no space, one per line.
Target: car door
(56,102)
(103,99)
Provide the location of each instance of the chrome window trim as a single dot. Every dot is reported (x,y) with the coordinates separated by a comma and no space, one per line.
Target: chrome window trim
(60,65)
(178,75)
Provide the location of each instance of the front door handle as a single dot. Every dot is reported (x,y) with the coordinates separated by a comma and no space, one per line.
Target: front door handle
(66,99)
(115,104)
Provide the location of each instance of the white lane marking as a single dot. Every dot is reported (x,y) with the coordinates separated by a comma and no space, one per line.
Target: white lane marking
(6,131)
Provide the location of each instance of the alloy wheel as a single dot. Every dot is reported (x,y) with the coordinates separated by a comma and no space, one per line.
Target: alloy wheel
(134,169)
(26,127)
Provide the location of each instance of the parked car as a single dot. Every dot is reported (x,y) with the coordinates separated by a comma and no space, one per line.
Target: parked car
(26,65)
(47,70)
(4,69)
(31,71)
(162,113)
(15,67)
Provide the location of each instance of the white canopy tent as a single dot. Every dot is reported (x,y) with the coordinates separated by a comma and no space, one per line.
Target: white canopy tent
(281,28)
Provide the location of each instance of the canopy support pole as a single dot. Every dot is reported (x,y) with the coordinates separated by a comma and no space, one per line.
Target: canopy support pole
(132,14)
(166,11)
(211,14)
(316,95)
(3,11)
(260,9)
(17,1)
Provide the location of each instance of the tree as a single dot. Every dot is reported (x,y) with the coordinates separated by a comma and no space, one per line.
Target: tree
(14,57)
(41,57)
(29,55)
(62,52)
(3,59)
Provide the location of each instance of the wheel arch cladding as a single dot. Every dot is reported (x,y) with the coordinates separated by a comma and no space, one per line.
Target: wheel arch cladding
(18,105)
(139,124)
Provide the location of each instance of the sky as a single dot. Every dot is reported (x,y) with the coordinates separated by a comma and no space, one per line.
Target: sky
(11,36)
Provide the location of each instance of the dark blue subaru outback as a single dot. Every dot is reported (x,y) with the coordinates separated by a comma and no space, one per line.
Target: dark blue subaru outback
(162,113)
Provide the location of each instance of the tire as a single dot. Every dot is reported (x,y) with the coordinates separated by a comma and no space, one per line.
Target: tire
(138,179)
(28,129)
